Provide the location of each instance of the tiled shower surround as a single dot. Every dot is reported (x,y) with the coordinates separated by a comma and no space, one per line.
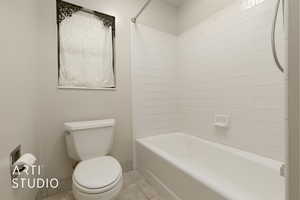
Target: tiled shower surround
(223,65)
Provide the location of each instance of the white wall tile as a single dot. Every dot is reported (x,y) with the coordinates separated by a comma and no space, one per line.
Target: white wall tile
(226,67)
(154,90)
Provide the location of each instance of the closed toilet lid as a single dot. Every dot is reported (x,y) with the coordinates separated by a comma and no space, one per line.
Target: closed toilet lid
(98,172)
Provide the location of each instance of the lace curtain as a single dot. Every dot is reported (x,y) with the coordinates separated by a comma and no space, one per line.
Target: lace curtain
(86,52)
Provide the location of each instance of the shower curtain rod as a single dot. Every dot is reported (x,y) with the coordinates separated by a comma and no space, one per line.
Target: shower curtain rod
(141,11)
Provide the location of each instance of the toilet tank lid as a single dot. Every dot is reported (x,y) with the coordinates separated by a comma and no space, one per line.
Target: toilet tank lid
(84,125)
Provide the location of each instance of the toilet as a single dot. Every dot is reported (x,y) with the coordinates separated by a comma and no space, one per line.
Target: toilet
(97,176)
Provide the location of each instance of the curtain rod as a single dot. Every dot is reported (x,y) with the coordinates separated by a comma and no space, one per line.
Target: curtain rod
(141,11)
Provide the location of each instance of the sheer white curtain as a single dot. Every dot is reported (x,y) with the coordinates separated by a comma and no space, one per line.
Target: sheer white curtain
(86,52)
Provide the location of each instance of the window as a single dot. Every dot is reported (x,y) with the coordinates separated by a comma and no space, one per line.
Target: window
(86,48)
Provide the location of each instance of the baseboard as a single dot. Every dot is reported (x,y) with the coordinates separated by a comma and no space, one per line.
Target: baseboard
(127,166)
(65,185)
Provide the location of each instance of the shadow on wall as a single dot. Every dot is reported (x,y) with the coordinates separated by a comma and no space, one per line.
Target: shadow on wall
(195,11)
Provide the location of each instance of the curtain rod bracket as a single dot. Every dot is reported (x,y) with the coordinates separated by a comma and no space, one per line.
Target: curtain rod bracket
(134,19)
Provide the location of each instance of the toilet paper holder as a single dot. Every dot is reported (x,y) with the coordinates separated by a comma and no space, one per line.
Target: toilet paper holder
(19,163)
(15,155)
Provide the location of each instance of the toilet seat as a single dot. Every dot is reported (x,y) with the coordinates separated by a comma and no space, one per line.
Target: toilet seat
(98,190)
(97,175)
(109,195)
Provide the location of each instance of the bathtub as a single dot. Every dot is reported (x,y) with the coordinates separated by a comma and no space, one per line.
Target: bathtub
(184,167)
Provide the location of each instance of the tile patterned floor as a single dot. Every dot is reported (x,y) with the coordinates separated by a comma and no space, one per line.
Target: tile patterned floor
(135,188)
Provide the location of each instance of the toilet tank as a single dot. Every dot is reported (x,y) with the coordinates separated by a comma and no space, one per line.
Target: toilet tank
(89,139)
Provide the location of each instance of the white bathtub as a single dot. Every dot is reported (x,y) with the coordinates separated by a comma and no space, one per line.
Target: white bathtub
(185,167)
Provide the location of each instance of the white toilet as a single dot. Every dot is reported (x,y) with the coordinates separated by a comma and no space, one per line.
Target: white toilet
(97,176)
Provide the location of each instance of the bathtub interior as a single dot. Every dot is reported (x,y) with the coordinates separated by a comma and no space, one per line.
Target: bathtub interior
(234,173)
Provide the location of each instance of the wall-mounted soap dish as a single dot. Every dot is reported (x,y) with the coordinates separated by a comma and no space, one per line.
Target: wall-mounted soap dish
(222,121)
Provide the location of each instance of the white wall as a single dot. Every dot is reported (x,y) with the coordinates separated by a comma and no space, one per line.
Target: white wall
(59,106)
(226,67)
(18,85)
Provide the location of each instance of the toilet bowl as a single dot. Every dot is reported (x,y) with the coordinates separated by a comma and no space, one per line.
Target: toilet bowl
(97,176)
(97,179)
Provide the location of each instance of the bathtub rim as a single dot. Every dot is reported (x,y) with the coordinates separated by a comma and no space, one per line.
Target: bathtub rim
(205,180)
(262,160)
